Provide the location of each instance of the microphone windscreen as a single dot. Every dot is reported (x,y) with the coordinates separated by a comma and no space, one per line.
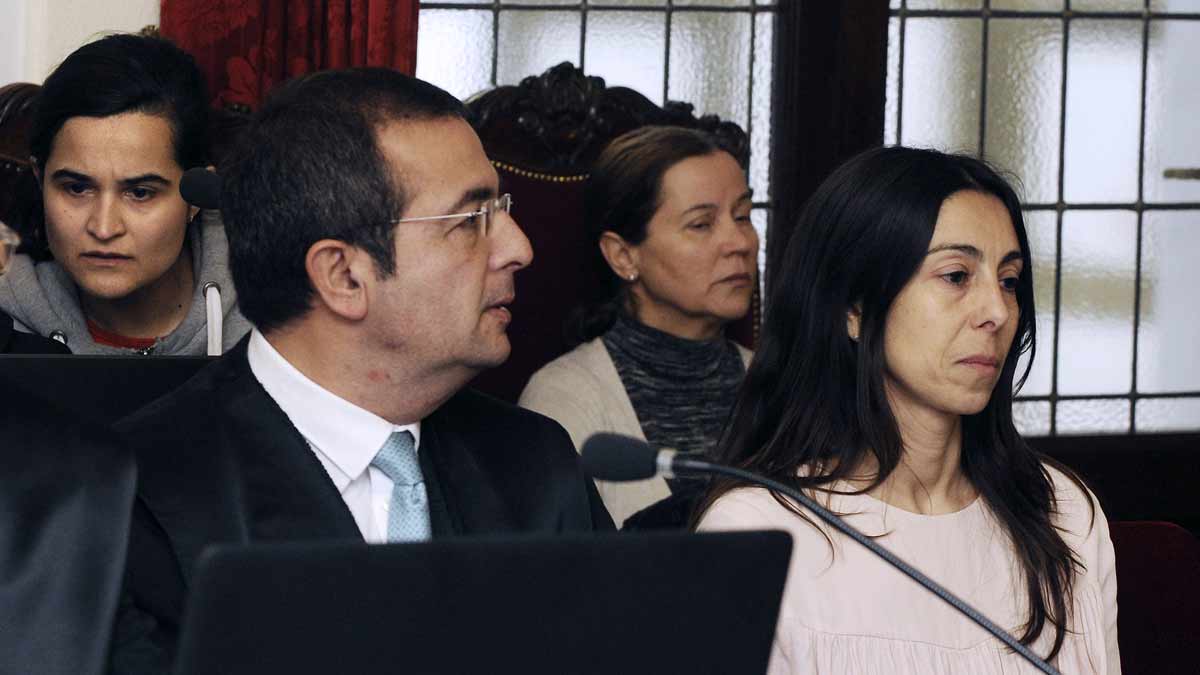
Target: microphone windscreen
(618,458)
(201,187)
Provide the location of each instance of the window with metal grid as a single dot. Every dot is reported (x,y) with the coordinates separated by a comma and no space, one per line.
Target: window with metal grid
(1092,106)
(714,54)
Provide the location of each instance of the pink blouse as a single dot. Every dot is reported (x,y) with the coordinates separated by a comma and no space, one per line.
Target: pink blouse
(850,612)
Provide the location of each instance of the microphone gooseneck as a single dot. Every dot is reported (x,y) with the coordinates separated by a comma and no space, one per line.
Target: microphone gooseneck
(631,459)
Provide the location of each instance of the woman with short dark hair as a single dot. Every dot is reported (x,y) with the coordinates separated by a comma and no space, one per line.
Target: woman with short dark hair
(669,211)
(119,262)
(883,387)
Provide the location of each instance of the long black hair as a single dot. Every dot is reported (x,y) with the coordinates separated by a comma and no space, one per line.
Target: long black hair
(116,74)
(814,399)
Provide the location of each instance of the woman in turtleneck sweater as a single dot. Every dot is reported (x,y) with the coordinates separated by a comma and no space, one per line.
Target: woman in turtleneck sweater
(670,212)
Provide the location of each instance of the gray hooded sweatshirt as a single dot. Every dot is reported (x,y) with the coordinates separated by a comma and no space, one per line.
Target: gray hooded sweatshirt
(44,300)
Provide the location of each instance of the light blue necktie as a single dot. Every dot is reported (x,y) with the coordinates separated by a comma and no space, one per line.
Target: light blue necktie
(408,514)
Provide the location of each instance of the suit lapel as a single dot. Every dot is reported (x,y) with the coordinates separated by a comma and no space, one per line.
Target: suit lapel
(443,520)
(473,502)
(242,472)
(288,496)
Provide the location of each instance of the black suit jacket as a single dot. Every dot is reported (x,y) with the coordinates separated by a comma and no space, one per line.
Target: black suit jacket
(220,462)
(65,494)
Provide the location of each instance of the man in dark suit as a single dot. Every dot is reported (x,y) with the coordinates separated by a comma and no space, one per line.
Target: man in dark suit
(371,250)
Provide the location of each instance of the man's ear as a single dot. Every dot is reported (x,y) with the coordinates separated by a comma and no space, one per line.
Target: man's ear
(339,273)
(622,258)
(854,321)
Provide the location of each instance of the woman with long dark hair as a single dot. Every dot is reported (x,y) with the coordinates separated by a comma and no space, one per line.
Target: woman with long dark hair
(668,210)
(883,387)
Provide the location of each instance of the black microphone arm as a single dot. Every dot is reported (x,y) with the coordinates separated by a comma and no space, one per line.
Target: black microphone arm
(625,458)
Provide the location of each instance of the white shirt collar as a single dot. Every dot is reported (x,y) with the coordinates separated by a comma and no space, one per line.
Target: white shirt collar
(345,435)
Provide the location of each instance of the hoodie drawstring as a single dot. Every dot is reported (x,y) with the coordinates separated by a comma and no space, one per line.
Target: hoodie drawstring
(212,305)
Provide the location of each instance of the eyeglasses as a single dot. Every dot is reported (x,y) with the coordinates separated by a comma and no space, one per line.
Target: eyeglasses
(485,214)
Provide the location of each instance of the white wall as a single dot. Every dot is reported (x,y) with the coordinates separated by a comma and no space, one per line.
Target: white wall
(35,35)
(12,40)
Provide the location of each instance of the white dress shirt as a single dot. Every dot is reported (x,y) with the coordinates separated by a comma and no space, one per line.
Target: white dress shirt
(344,437)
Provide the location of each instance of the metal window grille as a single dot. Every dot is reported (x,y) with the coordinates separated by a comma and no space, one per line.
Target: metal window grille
(1153,19)
(759,14)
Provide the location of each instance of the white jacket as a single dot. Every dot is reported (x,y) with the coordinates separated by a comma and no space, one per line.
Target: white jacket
(582,391)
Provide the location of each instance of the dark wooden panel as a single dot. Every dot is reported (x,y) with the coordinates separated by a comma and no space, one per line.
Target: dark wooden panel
(830,83)
(1136,477)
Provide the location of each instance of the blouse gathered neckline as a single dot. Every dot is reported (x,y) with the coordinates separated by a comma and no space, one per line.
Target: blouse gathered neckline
(969,509)
(844,610)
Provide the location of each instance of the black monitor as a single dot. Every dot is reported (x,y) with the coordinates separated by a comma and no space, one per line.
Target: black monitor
(647,603)
(100,389)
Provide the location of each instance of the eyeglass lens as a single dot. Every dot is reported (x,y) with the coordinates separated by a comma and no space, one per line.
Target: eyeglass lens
(501,203)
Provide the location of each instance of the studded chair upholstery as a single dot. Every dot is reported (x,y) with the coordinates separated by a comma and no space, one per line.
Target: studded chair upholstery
(543,136)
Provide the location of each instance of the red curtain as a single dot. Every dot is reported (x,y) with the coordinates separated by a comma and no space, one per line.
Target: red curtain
(245,47)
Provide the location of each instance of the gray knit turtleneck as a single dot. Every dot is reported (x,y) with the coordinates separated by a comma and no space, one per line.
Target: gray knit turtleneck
(682,390)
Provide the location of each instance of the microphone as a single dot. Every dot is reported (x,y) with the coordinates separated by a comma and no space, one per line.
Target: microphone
(613,457)
(619,458)
(201,187)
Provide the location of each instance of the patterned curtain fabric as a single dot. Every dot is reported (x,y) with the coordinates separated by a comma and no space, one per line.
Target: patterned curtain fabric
(245,47)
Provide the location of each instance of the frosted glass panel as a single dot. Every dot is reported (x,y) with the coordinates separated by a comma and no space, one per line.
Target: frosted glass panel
(1095,416)
(539,2)
(712,3)
(626,49)
(1028,5)
(1032,417)
(626,3)
(941,84)
(760,107)
(1024,103)
(531,42)
(1172,108)
(1095,342)
(1041,227)
(944,4)
(1107,5)
(891,100)
(710,63)
(761,218)
(454,50)
(1169,327)
(1103,110)
(1175,5)
(1168,414)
